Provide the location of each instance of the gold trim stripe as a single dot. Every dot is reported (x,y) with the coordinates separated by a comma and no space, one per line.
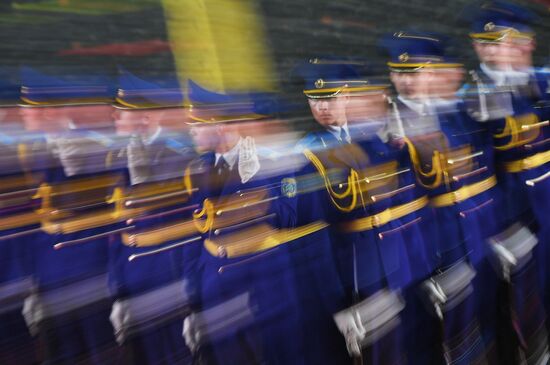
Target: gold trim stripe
(274,239)
(161,235)
(423,64)
(527,163)
(384,217)
(463,193)
(19,220)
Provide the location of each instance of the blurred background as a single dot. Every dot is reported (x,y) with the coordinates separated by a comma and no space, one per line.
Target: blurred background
(148,36)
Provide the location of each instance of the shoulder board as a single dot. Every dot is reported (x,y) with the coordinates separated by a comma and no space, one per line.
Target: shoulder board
(307,142)
(177,146)
(100,138)
(268,153)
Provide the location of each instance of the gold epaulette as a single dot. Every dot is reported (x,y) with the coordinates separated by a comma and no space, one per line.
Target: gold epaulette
(384,217)
(463,193)
(160,235)
(257,239)
(527,163)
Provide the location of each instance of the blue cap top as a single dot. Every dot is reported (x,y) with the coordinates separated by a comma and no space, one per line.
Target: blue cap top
(38,89)
(492,21)
(213,107)
(327,77)
(10,90)
(412,50)
(136,93)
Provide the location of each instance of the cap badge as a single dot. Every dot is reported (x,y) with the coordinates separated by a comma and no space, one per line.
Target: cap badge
(404,57)
(489,26)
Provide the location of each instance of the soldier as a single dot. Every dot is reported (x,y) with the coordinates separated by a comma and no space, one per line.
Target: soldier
(69,305)
(511,95)
(452,155)
(146,260)
(248,219)
(19,224)
(372,206)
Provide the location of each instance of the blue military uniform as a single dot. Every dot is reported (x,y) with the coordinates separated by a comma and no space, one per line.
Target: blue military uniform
(370,216)
(245,266)
(70,303)
(19,224)
(515,106)
(146,260)
(452,161)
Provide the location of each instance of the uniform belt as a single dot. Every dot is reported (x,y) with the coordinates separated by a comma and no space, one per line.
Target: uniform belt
(98,219)
(274,239)
(527,163)
(160,235)
(384,217)
(19,220)
(464,193)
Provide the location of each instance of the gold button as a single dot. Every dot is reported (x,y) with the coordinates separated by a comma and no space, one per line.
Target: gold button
(222,252)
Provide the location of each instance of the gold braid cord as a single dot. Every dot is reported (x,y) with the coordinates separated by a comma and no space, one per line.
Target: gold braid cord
(208,210)
(436,172)
(353,181)
(513,129)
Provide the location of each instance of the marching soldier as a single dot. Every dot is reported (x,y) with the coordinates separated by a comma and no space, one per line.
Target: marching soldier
(69,305)
(19,224)
(146,260)
(511,96)
(372,207)
(247,306)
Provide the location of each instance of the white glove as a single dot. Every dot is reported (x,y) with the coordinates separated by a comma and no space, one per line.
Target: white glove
(249,164)
(349,324)
(120,317)
(33,312)
(190,333)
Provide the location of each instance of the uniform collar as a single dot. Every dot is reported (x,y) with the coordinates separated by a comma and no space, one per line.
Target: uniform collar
(420,107)
(152,138)
(230,156)
(336,131)
(507,77)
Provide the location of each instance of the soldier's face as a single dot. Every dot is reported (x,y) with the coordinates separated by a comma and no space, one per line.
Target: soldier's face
(446,82)
(32,118)
(128,122)
(367,106)
(205,137)
(44,119)
(329,111)
(503,55)
(413,85)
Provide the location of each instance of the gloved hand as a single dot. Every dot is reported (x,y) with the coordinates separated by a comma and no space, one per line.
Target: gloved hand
(190,332)
(349,324)
(120,317)
(249,164)
(33,312)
